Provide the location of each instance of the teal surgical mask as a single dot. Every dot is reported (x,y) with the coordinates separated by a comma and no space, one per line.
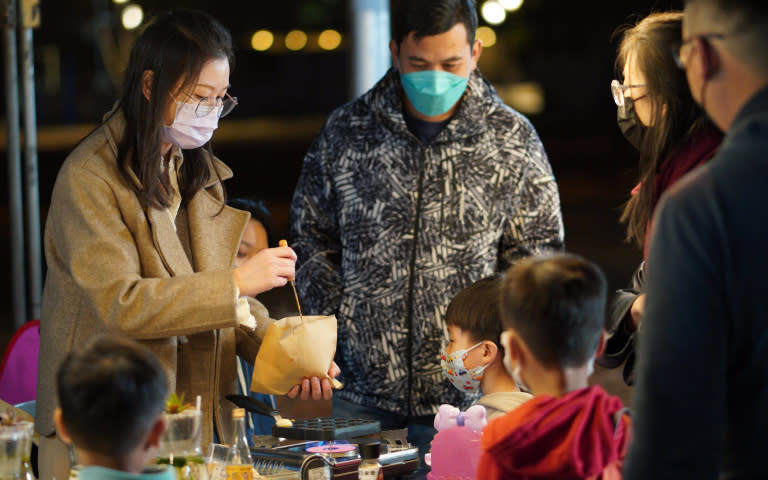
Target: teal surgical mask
(433,92)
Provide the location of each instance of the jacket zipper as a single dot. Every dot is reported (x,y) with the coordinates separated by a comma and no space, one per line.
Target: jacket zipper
(412,279)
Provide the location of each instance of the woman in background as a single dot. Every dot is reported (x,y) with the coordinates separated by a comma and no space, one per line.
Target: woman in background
(658,116)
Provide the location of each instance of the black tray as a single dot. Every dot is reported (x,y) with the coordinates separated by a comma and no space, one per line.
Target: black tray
(328,428)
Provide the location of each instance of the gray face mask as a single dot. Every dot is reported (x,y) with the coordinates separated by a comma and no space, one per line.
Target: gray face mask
(628,123)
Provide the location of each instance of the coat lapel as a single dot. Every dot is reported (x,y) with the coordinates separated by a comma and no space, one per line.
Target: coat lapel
(208,213)
(214,251)
(167,242)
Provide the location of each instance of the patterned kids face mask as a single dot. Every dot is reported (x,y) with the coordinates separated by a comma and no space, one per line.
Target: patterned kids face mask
(466,380)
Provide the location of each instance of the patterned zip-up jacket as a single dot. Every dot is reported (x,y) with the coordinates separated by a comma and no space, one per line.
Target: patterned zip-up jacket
(388,230)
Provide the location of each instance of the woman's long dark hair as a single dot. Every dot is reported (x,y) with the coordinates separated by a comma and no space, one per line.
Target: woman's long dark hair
(174,47)
(674,113)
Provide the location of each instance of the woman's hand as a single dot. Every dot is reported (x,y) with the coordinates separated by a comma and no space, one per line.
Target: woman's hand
(637,310)
(315,387)
(269,268)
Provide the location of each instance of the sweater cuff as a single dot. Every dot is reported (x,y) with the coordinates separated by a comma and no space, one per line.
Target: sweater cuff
(244,317)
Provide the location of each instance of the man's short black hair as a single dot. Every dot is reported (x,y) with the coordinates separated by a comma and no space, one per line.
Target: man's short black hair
(432,17)
(111,391)
(557,305)
(475,310)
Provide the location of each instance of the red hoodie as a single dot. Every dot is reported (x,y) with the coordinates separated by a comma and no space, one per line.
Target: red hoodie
(574,436)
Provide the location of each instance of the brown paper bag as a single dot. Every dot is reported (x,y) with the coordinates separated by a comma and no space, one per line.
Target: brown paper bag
(292,350)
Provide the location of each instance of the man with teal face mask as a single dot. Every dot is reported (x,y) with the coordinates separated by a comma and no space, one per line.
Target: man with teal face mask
(418,188)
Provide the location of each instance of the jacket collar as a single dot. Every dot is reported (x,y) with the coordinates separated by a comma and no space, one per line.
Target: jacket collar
(755,106)
(479,100)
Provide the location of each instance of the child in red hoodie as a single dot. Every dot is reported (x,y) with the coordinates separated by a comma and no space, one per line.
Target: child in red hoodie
(553,313)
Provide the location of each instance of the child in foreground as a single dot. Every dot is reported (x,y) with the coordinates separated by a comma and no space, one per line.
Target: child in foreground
(472,360)
(112,395)
(553,314)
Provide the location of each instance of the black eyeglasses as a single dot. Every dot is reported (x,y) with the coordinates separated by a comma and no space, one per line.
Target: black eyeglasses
(617,90)
(677,53)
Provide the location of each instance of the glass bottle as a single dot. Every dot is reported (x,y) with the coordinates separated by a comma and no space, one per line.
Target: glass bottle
(370,468)
(239,460)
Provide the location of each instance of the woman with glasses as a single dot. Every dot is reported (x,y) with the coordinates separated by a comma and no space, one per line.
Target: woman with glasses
(658,116)
(139,240)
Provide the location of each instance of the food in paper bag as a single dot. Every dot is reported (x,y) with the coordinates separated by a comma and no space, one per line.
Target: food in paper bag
(293,349)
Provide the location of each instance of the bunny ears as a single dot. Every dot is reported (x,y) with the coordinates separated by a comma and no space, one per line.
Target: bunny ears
(449,416)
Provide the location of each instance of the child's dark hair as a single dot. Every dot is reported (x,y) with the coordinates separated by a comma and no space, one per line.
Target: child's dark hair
(111,391)
(476,310)
(557,305)
(258,211)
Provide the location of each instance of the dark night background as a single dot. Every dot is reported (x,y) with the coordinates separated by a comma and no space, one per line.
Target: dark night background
(566,47)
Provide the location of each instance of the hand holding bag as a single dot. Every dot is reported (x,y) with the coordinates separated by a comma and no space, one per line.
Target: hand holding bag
(294,348)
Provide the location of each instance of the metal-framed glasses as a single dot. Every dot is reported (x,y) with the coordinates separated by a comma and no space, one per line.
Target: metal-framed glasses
(677,53)
(617,90)
(206,105)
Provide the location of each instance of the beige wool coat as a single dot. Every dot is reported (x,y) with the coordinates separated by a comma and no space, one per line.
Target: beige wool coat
(113,266)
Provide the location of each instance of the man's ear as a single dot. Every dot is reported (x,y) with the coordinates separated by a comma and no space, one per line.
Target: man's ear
(61,430)
(477,49)
(155,433)
(709,57)
(146,83)
(394,50)
(601,344)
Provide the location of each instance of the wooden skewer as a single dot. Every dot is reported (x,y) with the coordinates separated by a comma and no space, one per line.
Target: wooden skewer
(284,243)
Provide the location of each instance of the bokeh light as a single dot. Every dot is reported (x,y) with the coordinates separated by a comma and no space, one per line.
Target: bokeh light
(295,40)
(487,36)
(262,40)
(511,5)
(493,13)
(132,16)
(329,40)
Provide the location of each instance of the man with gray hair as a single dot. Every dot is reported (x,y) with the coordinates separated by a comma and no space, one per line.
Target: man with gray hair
(702,387)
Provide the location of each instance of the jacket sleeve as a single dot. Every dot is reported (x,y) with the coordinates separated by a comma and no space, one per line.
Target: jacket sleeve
(95,267)
(249,339)
(623,298)
(682,375)
(618,313)
(536,225)
(314,230)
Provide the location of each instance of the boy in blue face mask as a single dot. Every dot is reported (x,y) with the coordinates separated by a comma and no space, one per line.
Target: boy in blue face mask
(472,360)
(410,193)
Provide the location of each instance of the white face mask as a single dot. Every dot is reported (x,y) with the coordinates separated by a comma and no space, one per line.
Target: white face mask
(188,130)
(514,372)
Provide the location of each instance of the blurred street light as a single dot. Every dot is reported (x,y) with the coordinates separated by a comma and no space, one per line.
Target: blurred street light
(262,40)
(295,40)
(511,5)
(132,16)
(487,36)
(329,40)
(493,13)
